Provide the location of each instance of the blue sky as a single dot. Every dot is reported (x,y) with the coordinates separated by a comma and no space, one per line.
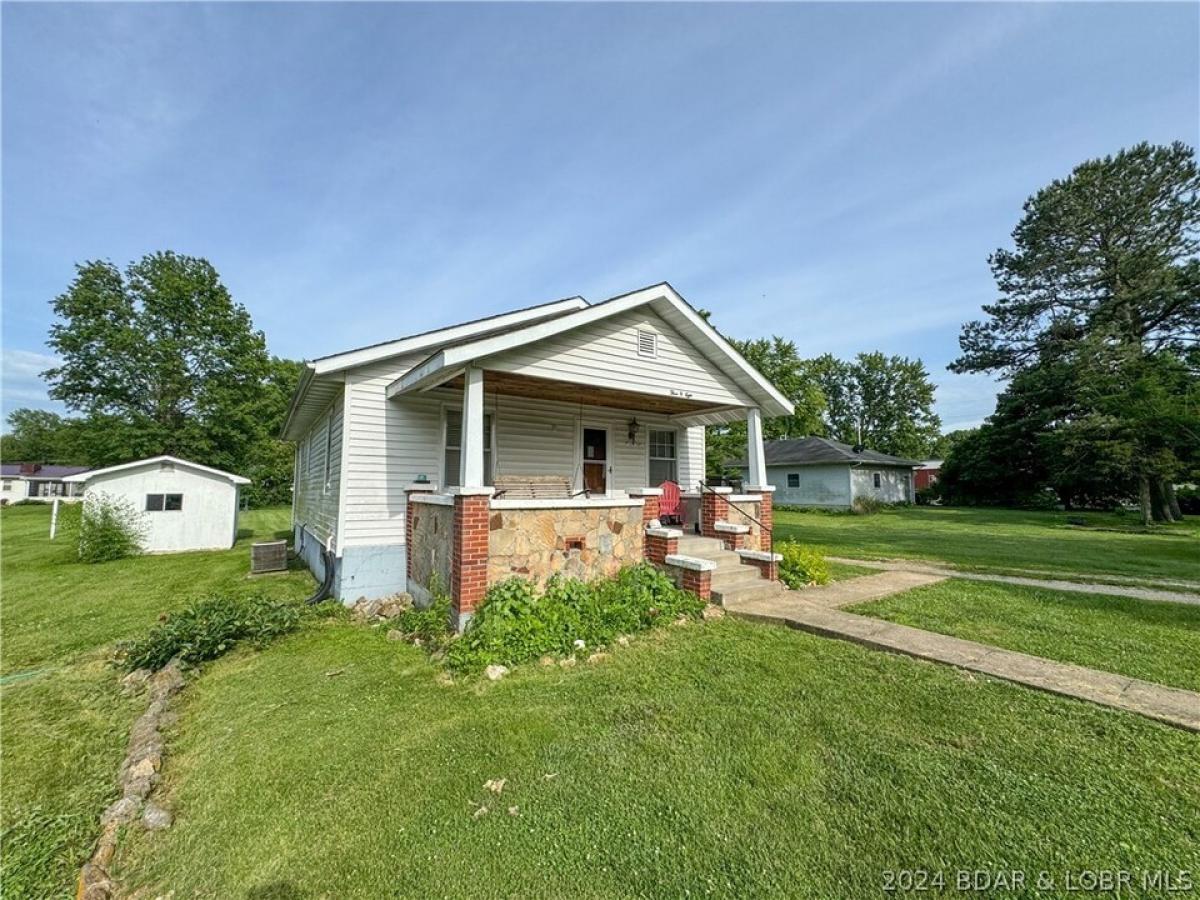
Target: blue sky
(834,174)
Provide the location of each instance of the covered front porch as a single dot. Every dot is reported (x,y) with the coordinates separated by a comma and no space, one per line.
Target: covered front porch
(542,476)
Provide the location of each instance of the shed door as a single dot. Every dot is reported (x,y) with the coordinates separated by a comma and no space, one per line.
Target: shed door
(595,460)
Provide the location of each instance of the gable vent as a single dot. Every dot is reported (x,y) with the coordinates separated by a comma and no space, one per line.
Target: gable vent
(647,343)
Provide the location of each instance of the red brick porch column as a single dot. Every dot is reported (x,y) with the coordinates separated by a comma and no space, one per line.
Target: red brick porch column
(469,557)
(649,497)
(661,543)
(714,507)
(410,522)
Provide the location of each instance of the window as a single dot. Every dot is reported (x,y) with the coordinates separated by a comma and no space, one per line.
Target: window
(793,479)
(328,482)
(877,479)
(452,460)
(663,457)
(154,502)
(164,502)
(647,344)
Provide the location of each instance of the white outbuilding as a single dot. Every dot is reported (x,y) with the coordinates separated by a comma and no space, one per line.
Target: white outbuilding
(184,505)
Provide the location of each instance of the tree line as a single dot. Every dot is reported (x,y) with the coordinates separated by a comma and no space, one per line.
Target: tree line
(159,359)
(1096,330)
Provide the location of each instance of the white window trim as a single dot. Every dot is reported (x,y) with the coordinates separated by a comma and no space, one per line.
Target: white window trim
(649,458)
(457,407)
(609,462)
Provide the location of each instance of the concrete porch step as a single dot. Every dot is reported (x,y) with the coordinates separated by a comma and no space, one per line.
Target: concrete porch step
(742,592)
(728,578)
(704,547)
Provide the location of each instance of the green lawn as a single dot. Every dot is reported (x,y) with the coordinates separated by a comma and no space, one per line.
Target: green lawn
(1155,641)
(727,759)
(65,722)
(1003,539)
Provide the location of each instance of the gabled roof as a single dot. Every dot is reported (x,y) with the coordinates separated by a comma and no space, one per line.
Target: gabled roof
(43,473)
(817,451)
(450,347)
(319,380)
(447,361)
(156,460)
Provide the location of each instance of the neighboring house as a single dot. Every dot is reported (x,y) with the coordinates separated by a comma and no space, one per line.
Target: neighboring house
(35,481)
(184,505)
(817,471)
(526,443)
(927,474)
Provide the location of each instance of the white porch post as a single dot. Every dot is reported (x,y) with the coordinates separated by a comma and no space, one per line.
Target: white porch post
(755,455)
(471,463)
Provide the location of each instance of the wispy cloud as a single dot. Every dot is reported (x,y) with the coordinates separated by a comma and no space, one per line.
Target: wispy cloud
(21,383)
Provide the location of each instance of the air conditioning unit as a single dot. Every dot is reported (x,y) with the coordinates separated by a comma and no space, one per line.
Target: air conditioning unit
(268,556)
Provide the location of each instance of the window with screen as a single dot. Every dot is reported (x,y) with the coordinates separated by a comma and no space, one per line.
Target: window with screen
(453,456)
(154,502)
(793,479)
(164,502)
(663,457)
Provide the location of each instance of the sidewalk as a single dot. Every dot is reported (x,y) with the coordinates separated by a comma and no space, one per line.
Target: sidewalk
(1050,584)
(794,609)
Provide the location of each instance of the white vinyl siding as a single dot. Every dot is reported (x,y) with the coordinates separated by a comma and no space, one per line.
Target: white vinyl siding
(452,452)
(606,354)
(894,484)
(319,473)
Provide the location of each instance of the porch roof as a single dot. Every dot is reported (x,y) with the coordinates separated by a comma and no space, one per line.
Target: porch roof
(447,363)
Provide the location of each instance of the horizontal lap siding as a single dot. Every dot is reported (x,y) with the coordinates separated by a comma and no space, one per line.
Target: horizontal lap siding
(391,442)
(605,354)
(691,457)
(316,506)
(819,485)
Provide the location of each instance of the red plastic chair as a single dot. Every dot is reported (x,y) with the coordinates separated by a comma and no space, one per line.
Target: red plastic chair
(669,504)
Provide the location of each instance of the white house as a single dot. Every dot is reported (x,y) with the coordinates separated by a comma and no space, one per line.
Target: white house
(527,443)
(821,472)
(184,505)
(39,482)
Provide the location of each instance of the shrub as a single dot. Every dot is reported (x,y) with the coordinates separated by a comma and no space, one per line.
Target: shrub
(516,623)
(429,625)
(801,566)
(209,627)
(866,506)
(107,528)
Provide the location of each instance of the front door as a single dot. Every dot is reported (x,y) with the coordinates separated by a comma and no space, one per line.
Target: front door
(595,460)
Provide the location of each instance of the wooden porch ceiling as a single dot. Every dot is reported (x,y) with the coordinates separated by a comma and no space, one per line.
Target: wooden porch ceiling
(571,392)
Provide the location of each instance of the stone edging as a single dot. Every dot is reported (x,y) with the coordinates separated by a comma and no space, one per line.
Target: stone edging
(138,775)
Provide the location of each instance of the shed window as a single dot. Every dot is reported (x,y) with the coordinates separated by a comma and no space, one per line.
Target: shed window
(793,479)
(164,502)
(877,479)
(664,457)
(647,344)
(452,459)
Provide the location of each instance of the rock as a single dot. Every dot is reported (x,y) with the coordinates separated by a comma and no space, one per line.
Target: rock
(546,661)
(138,788)
(495,785)
(682,620)
(495,672)
(136,680)
(549,776)
(623,641)
(579,644)
(445,679)
(395,634)
(122,812)
(567,663)
(712,611)
(480,813)
(167,681)
(599,656)
(155,818)
(514,811)
(145,768)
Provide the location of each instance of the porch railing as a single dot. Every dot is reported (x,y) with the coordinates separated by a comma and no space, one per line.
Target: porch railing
(762,529)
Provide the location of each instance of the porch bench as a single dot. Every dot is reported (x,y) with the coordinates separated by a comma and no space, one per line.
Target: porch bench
(533,487)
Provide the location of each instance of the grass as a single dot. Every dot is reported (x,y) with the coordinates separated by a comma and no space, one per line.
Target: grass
(721,759)
(1154,641)
(65,721)
(1003,539)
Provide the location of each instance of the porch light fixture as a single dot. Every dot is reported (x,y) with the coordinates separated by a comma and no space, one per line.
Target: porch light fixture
(634,428)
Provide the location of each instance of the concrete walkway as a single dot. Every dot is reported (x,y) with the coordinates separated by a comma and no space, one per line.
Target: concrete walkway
(867,587)
(793,609)
(1050,584)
